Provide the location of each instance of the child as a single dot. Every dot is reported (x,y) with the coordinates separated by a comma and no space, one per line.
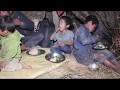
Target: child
(83,42)
(10,53)
(63,36)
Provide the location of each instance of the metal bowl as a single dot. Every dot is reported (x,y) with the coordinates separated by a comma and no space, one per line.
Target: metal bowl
(93,67)
(55,57)
(99,46)
(40,51)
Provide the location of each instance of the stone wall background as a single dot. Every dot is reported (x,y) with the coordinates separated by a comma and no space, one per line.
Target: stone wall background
(37,14)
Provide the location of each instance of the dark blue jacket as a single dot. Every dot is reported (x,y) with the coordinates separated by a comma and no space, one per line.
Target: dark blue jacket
(27,28)
(83,45)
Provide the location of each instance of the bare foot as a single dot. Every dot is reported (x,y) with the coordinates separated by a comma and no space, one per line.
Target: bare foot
(2,64)
(25,66)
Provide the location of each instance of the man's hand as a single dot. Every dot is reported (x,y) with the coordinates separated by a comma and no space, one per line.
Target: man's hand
(99,55)
(17,21)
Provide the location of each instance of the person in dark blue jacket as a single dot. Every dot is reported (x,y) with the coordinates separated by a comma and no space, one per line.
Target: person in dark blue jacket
(83,43)
(26,27)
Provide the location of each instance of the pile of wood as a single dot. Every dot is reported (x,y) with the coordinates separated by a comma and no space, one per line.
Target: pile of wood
(115,48)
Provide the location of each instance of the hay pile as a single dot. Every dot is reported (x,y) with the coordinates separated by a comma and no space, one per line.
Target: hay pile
(73,70)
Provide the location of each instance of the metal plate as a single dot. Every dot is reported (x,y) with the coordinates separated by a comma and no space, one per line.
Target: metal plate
(50,57)
(99,47)
(40,51)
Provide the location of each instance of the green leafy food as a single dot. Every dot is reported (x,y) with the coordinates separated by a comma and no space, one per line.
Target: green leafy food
(99,46)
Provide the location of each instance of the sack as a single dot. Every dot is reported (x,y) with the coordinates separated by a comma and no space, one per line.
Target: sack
(45,23)
(47,28)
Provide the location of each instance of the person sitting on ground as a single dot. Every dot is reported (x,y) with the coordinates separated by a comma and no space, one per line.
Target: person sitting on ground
(63,36)
(10,52)
(24,25)
(83,42)
(41,38)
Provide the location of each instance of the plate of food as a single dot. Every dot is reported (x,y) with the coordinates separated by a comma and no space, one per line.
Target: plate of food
(35,52)
(99,47)
(55,57)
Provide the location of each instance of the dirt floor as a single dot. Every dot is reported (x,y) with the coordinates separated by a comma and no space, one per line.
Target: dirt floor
(71,69)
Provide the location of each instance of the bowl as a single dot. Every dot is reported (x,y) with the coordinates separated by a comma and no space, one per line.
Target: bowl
(99,47)
(93,67)
(39,52)
(54,57)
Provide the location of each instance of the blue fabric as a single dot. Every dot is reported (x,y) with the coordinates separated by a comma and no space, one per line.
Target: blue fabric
(47,32)
(60,49)
(24,32)
(27,28)
(83,39)
(67,37)
(41,38)
(59,38)
(33,40)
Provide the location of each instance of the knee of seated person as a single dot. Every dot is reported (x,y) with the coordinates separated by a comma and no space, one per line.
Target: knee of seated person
(55,50)
(69,52)
(41,35)
(65,47)
(110,55)
(52,49)
(109,52)
(112,58)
